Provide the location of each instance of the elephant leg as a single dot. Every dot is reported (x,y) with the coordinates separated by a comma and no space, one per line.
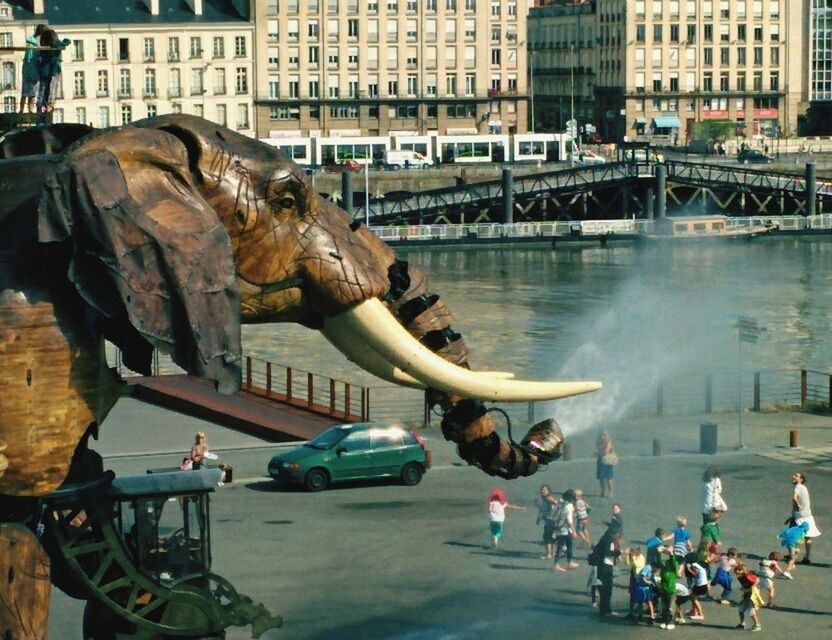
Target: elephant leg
(24,586)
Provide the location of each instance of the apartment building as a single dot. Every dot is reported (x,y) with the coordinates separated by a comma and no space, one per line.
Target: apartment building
(131,60)
(374,67)
(562,64)
(663,65)
(819,26)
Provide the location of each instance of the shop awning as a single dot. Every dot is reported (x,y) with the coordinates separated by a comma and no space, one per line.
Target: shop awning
(641,120)
(667,122)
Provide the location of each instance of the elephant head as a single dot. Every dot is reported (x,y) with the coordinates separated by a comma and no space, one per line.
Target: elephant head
(175,224)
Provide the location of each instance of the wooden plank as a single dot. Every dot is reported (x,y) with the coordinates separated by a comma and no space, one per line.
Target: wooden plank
(25,587)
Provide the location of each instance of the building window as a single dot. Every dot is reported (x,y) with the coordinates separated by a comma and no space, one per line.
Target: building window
(242,116)
(123,50)
(222,115)
(81,115)
(657,33)
(352,28)
(312,30)
(149,51)
(78,88)
(103,85)
(240,46)
(174,84)
(294,88)
(173,49)
(126,114)
(124,84)
(393,88)
(103,117)
(197,82)
(100,49)
(314,88)
(150,83)
(151,111)
(219,82)
(640,33)
(196,47)
(78,50)
(274,87)
(313,56)
(242,80)
(219,47)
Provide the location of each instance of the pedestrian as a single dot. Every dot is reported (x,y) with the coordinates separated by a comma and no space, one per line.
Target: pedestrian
(643,595)
(751,599)
(199,450)
(635,563)
(607,550)
(681,539)
(654,544)
(547,507)
(605,464)
(722,577)
(698,574)
(682,596)
(497,506)
(582,518)
(617,517)
(802,512)
(668,565)
(592,581)
(29,71)
(565,531)
(49,69)
(790,539)
(770,567)
(711,493)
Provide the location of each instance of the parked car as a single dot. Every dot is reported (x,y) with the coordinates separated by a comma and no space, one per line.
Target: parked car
(347,165)
(747,156)
(406,159)
(585,157)
(357,451)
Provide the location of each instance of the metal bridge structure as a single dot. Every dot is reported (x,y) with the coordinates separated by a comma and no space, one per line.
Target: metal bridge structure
(612,190)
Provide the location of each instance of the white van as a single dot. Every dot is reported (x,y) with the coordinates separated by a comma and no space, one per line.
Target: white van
(406,158)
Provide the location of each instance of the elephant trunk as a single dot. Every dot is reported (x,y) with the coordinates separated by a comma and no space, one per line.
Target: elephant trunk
(465,421)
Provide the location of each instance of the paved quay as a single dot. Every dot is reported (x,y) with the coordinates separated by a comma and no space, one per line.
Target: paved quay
(391,562)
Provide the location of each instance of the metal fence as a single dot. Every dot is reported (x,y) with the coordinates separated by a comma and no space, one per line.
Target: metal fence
(548,230)
(767,390)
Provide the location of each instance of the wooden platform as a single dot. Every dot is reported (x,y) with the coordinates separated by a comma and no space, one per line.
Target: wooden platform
(246,412)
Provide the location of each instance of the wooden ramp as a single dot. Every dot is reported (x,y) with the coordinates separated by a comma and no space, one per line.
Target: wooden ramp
(250,413)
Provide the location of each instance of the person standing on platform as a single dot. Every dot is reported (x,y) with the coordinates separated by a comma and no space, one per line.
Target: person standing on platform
(29,80)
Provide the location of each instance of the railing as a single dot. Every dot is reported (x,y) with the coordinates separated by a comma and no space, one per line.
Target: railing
(816,390)
(544,230)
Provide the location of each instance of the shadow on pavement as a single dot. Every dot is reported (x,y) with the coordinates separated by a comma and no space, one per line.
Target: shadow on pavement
(514,567)
(796,610)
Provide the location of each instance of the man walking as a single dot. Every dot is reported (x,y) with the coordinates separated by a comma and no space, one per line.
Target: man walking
(802,512)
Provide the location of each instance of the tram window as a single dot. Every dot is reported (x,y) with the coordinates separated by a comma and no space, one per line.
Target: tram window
(480,149)
(299,151)
(699,226)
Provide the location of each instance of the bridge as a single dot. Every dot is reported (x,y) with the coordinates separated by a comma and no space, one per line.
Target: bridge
(611,191)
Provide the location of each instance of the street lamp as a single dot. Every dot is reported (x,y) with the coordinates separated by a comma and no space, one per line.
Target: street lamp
(531,96)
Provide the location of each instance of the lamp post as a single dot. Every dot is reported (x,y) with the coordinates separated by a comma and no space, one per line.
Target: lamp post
(367,186)
(531,87)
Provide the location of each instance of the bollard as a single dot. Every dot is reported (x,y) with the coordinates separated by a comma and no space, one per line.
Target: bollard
(657,448)
(794,437)
(707,437)
(567,451)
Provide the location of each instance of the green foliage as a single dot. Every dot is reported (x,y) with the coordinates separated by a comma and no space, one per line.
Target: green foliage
(714,129)
(814,406)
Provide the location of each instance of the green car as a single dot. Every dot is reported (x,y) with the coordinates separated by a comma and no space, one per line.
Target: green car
(354,452)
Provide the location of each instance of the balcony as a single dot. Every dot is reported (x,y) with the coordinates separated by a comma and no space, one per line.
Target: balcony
(197,91)
(173,56)
(102,93)
(174,92)
(219,90)
(149,92)
(124,93)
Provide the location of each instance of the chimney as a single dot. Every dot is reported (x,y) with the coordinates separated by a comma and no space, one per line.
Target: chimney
(196,6)
(37,7)
(152,6)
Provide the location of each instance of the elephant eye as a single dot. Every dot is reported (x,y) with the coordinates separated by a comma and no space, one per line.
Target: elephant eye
(283,201)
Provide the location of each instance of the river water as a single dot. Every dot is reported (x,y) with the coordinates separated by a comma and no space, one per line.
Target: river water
(632,317)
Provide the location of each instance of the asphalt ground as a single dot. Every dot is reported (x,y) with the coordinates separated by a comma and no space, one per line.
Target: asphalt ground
(385,561)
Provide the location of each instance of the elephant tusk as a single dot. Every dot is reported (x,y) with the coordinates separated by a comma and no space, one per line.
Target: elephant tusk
(372,362)
(372,323)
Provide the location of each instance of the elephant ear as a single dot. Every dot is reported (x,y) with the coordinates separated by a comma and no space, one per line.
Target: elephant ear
(147,251)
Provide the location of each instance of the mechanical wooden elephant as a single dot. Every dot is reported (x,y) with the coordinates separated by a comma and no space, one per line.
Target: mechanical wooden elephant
(167,234)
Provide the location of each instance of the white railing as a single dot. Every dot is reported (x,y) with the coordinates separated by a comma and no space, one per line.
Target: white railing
(542,230)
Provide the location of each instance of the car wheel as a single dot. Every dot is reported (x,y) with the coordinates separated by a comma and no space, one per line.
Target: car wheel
(316,480)
(411,474)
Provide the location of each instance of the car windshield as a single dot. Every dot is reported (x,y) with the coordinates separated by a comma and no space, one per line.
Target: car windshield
(327,439)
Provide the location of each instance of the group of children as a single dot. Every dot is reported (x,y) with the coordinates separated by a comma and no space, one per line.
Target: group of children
(673,572)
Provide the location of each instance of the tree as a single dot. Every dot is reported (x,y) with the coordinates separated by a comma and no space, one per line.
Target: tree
(714,129)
